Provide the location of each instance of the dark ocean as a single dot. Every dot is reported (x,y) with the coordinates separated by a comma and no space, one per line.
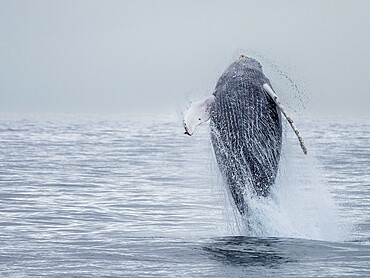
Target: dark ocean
(125,196)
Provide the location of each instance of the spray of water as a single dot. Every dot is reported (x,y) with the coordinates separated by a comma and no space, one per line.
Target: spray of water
(299,204)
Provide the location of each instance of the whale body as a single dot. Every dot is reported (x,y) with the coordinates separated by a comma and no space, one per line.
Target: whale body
(246,129)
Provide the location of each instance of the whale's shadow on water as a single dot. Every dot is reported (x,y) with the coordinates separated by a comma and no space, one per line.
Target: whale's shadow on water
(248,251)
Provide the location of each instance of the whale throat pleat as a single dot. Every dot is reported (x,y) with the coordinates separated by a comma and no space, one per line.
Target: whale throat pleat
(246,136)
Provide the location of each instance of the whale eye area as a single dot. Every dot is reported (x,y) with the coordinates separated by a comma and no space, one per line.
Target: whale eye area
(199,119)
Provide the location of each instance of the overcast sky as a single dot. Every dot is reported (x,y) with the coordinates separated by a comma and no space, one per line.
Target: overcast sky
(149,56)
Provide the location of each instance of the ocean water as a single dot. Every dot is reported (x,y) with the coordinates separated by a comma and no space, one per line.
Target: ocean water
(125,196)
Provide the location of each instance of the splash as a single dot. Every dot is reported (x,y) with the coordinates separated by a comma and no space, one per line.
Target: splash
(299,205)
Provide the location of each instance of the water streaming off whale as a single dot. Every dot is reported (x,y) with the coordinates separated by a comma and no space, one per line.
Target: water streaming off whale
(246,131)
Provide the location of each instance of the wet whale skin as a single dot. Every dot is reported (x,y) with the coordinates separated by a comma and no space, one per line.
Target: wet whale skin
(246,131)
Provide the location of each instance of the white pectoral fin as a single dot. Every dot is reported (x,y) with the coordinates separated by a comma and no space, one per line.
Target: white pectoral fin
(276,99)
(198,112)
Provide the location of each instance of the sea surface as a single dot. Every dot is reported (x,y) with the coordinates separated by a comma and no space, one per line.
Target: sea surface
(132,196)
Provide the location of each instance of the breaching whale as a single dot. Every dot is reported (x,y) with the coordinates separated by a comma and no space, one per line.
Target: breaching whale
(246,129)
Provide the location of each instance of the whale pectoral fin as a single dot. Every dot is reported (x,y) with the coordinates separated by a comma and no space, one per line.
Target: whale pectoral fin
(276,99)
(198,112)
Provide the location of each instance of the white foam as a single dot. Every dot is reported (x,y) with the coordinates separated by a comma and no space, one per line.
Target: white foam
(299,206)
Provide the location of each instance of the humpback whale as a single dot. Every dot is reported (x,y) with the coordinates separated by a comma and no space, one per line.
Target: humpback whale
(246,129)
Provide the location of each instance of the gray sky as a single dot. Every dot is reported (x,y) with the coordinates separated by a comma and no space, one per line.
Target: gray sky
(149,56)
